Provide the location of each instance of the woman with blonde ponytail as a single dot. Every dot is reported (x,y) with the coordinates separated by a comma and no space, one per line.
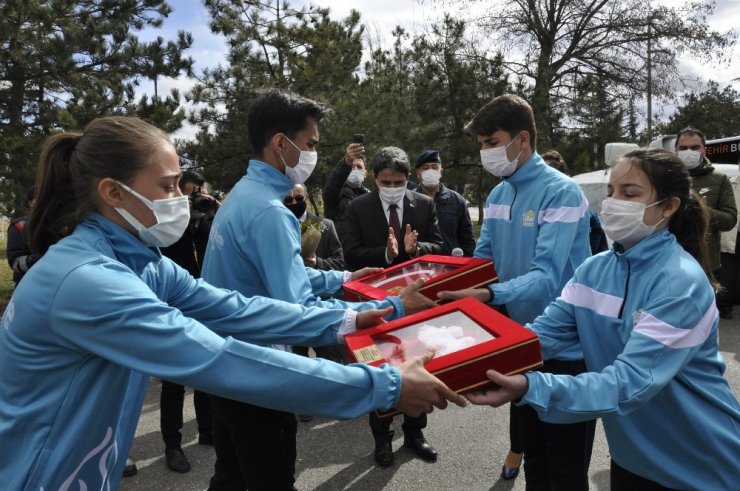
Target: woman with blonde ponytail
(644,314)
(103,309)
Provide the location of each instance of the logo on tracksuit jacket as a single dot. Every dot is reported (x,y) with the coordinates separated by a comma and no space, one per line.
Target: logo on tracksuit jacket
(528,218)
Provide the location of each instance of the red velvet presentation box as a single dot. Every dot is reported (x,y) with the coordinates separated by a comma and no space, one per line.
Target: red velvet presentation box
(469,338)
(441,273)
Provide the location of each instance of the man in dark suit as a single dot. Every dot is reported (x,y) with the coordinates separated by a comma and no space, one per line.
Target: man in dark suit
(372,238)
(389,226)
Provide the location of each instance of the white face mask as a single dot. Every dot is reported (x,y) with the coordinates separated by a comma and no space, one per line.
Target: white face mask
(430,178)
(496,162)
(304,168)
(355,179)
(172,214)
(392,195)
(690,158)
(623,221)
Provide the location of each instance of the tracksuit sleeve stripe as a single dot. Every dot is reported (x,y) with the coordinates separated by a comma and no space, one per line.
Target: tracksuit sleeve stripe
(497,211)
(564,214)
(676,337)
(582,296)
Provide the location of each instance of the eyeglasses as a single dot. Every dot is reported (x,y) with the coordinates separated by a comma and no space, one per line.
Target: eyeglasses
(294,199)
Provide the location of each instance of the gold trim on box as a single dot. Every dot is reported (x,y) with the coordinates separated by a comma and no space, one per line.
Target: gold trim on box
(487,355)
(467,271)
(368,354)
(487,382)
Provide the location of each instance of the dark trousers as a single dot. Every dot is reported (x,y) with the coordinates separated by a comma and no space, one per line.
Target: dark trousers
(623,480)
(411,426)
(171,400)
(255,447)
(556,456)
(515,437)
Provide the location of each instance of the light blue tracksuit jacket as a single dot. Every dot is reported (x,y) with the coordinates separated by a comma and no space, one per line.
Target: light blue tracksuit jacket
(535,230)
(255,245)
(647,323)
(100,310)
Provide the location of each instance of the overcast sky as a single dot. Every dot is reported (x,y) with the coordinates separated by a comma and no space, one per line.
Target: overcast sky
(381,16)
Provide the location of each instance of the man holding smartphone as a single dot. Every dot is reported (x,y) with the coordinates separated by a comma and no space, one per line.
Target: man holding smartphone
(345,184)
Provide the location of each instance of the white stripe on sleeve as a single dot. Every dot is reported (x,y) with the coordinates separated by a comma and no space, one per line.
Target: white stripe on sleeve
(564,214)
(675,337)
(497,211)
(582,296)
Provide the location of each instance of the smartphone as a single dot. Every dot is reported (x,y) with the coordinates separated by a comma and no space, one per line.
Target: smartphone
(358,138)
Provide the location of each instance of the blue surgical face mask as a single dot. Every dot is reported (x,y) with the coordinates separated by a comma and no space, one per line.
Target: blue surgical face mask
(355,178)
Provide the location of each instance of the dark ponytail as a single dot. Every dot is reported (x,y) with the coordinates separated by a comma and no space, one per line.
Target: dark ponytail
(52,215)
(690,225)
(669,177)
(71,166)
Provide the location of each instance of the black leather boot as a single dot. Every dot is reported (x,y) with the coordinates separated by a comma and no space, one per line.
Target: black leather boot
(420,446)
(384,449)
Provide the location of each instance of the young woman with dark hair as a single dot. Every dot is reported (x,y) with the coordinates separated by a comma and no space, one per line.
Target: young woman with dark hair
(103,309)
(645,317)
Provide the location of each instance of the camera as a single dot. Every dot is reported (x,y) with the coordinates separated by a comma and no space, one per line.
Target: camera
(201,202)
(358,138)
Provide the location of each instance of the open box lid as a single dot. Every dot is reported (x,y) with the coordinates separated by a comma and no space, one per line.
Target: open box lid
(437,271)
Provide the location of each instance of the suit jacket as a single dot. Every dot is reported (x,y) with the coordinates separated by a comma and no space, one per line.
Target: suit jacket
(367,229)
(329,251)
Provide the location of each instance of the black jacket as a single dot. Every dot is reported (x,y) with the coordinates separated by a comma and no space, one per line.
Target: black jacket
(190,249)
(329,254)
(454,220)
(367,229)
(338,196)
(19,254)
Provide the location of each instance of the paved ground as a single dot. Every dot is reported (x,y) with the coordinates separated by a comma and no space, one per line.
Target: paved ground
(336,455)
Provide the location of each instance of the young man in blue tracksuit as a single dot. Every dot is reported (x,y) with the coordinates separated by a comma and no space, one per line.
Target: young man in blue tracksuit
(254,249)
(644,315)
(535,230)
(103,309)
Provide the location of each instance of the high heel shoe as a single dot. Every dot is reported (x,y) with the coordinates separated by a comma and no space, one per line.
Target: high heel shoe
(509,473)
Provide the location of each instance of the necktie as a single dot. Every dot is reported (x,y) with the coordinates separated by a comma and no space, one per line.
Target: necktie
(395,224)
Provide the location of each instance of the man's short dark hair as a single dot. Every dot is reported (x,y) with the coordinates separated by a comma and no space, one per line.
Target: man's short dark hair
(392,158)
(280,111)
(509,113)
(689,131)
(191,176)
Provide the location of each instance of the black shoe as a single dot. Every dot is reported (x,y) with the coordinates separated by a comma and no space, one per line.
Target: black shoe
(509,473)
(384,449)
(419,445)
(205,438)
(130,468)
(176,460)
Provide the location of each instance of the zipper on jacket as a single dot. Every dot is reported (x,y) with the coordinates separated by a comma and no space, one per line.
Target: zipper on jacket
(511,207)
(626,289)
